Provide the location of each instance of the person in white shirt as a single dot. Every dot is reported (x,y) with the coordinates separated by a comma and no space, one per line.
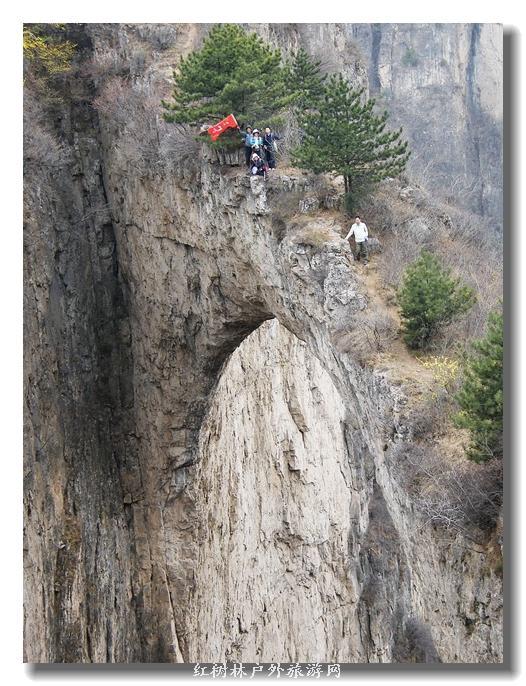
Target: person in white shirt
(359,230)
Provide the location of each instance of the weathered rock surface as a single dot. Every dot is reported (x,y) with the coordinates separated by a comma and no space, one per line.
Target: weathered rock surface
(301,567)
(185,503)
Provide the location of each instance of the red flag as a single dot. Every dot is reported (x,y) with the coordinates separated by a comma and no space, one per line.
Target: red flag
(227,123)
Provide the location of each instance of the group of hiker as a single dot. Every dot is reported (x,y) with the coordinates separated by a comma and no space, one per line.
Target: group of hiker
(260,151)
(260,158)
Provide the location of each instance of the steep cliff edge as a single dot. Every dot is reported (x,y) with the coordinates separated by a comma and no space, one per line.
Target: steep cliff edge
(202,483)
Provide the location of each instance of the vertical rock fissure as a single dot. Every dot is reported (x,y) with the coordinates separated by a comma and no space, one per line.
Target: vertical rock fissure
(474,114)
(374,73)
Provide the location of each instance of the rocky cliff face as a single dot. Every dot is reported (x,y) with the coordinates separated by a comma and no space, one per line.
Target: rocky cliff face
(206,467)
(303,566)
(443,84)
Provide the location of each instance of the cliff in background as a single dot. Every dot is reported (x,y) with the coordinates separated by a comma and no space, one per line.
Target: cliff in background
(202,483)
(443,84)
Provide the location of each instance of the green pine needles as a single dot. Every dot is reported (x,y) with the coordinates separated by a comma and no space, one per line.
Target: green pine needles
(429,299)
(343,135)
(481,395)
(234,72)
(304,81)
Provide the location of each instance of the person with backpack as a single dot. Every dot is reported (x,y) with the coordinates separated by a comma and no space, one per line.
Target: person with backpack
(269,144)
(248,138)
(361,236)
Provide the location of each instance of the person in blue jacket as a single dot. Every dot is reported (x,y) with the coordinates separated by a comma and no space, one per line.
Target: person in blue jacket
(257,144)
(248,142)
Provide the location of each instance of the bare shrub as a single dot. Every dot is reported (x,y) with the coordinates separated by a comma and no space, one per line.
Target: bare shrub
(415,644)
(474,254)
(386,209)
(109,63)
(137,62)
(428,419)
(106,64)
(133,113)
(113,97)
(179,144)
(41,146)
(378,331)
(159,36)
(366,334)
(397,256)
(459,496)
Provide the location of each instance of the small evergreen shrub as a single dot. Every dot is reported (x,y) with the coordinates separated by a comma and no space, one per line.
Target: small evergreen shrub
(233,73)
(481,395)
(430,298)
(342,135)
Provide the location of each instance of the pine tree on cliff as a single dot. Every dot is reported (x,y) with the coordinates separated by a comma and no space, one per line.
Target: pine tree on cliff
(429,299)
(481,395)
(234,72)
(304,80)
(344,136)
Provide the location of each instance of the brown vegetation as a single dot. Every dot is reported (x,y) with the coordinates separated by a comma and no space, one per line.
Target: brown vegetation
(369,333)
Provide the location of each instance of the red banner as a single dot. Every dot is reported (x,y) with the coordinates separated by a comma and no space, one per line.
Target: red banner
(227,123)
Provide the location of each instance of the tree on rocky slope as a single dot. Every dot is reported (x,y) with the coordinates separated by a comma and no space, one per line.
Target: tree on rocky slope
(429,299)
(304,81)
(343,135)
(481,395)
(234,72)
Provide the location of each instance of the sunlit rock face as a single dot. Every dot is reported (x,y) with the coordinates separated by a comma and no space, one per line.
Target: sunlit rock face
(302,566)
(206,470)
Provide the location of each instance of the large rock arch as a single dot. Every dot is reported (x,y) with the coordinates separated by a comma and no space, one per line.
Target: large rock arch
(204,266)
(135,302)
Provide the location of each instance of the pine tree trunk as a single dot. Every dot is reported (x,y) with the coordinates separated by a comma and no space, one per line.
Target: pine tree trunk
(348,183)
(348,194)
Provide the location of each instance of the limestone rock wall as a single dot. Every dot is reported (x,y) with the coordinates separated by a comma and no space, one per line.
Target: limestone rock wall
(79,601)
(301,567)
